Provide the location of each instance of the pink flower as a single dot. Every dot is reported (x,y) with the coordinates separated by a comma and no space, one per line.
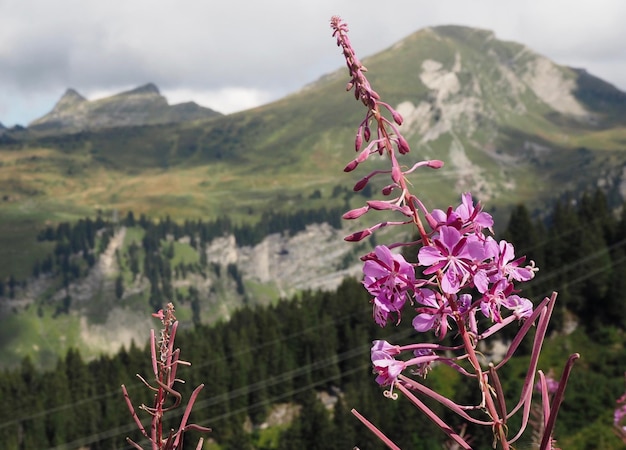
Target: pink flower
(501,294)
(473,216)
(551,384)
(388,370)
(388,278)
(455,255)
(510,268)
(434,316)
(426,357)
(382,349)
(522,307)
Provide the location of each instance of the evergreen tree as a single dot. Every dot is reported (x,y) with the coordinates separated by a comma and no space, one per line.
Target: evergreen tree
(119,286)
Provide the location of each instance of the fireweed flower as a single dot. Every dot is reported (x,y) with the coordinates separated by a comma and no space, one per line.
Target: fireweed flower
(551,384)
(434,316)
(466,217)
(389,278)
(501,294)
(388,368)
(473,216)
(426,357)
(511,268)
(453,254)
(382,349)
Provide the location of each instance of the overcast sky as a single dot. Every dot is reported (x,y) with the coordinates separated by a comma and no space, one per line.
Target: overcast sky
(236,54)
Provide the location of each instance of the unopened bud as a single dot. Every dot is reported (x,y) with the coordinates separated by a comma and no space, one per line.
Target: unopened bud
(360,184)
(403,145)
(396,174)
(366,133)
(359,235)
(379,205)
(435,164)
(355,213)
(388,189)
(351,166)
(358,140)
(397,117)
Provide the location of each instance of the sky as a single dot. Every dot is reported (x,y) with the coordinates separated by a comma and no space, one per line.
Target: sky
(236,54)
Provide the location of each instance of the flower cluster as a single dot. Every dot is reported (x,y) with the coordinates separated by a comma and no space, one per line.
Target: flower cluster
(460,272)
(457,259)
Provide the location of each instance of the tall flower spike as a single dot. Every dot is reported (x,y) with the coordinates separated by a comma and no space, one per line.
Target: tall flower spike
(164,365)
(456,258)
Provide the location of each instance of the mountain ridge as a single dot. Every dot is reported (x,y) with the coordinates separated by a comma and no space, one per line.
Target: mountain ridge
(143,105)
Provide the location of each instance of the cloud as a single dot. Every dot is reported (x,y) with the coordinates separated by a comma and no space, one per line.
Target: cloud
(227,100)
(239,52)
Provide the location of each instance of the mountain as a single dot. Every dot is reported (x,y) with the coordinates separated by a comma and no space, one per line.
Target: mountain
(510,125)
(140,106)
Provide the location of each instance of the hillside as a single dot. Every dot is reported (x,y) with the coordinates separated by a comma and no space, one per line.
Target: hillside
(511,126)
(501,116)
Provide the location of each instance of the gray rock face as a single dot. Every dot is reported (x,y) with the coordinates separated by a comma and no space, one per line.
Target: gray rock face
(140,106)
(307,260)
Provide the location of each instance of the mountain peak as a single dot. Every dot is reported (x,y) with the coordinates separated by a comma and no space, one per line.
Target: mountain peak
(148,88)
(69,99)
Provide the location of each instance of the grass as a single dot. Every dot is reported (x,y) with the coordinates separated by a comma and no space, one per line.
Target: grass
(184,254)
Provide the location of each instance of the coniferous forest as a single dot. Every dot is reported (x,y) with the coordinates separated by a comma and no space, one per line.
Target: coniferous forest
(316,346)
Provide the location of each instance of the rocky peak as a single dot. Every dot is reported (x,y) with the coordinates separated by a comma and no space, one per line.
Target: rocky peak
(143,105)
(146,89)
(70,99)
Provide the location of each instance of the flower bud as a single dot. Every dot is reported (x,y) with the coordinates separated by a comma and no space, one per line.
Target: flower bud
(351,166)
(367,133)
(387,189)
(396,173)
(397,117)
(435,164)
(359,235)
(382,206)
(358,140)
(360,184)
(355,213)
(403,145)
(379,205)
